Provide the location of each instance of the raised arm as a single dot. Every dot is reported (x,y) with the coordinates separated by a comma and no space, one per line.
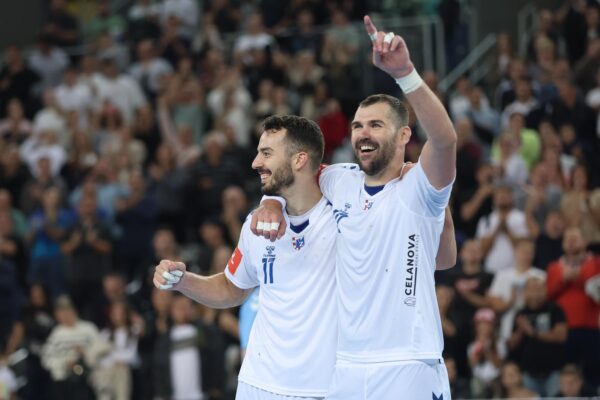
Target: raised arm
(438,158)
(215,291)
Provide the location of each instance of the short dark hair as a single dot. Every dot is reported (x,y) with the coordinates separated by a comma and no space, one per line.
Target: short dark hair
(399,110)
(302,134)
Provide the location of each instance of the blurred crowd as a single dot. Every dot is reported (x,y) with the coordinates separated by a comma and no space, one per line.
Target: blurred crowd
(138,148)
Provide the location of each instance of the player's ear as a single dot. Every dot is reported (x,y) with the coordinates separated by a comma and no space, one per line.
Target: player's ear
(404,134)
(300,160)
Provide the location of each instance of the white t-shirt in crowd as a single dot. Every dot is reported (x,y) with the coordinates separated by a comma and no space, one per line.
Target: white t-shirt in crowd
(185,363)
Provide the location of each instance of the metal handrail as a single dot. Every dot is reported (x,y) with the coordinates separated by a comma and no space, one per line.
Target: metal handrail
(471,60)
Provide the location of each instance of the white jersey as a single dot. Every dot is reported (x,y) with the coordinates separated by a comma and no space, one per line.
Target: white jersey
(292,344)
(385,261)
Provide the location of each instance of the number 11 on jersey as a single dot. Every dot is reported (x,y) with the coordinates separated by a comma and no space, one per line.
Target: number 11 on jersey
(268,269)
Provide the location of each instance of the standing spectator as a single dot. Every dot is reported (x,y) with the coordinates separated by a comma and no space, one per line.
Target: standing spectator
(149,69)
(474,204)
(75,96)
(137,215)
(15,128)
(538,339)
(485,353)
(49,62)
(31,197)
(61,27)
(506,294)
(31,332)
(70,351)
(499,231)
(566,286)
(181,139)
(112,378)
(581,206)
(17,80)
(48,227)
(542,198)
(88,246)
(548,245)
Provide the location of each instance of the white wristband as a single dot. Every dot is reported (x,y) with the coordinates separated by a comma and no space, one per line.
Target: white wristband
(281,200)
(410,82)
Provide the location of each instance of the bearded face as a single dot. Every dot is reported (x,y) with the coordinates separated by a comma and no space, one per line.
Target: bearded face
(373,157)
(273,182)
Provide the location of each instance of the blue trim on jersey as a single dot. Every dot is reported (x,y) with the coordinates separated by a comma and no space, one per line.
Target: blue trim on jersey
(373,190)
(299,228)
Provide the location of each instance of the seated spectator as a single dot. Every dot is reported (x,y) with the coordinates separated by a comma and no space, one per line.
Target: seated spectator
(185,11)
(526,141)
(143,21)
(48,62)
(538,339)
(15,128)
(512,383)
(13,173)
(485,353)
(571,383)
(69,352)
(49,224)
(253,38)
(44,145)
(31,197)
(548,245)
(305,37)
(113,377)
(500,229)
(485,120)
(18,80)
(304,73)
(566,286)
(108,48)
(506,295)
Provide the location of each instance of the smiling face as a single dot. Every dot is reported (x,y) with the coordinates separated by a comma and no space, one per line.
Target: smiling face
(273,162)
(376,138)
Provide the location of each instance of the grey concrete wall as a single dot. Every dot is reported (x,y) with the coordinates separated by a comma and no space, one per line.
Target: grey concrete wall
(20,21)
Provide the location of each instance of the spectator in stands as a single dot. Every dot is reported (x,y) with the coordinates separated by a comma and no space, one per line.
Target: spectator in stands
(566,280)
(48,62)
(149,69)
(538,339)
(69,352)
(48,227)
(512,383)
(44,156)
(187,14)
(500,229)
(235,210)
(112,378)
(13,173)
(485,120)
(17,80)
(305,37)
(526,141)
(17,217)
(542,199)
(75,96)
(88,246)
(137,215)
(584,72)
(448,316)
(30,331)
(9,300)
(179,353)
(571,383)
(548,245)
(505,92)
(581,207)
(52,118)
(61,26)
(105,22)
(473,204)
(108,48)
(143,20)
(42,179)
(180,139)
(506,295)
(145,129)
(501,58)
(510,165)
(254,38)
(15,128)
(485,353)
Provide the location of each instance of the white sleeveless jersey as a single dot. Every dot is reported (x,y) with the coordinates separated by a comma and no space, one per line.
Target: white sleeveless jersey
(292,344)
(385,262)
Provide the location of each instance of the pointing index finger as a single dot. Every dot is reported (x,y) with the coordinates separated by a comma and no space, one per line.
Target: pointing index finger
(369,26)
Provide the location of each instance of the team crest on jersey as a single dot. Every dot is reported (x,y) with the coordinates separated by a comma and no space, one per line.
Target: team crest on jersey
(368,205)
(298,242)
(341,214)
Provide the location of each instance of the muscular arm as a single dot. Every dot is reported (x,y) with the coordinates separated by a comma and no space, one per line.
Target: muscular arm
(446,255)
(214,291)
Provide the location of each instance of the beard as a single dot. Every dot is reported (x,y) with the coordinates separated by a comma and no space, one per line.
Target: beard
(386,153)
(280,179)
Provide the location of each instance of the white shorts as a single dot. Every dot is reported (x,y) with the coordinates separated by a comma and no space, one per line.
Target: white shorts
(403,380)
(249,392)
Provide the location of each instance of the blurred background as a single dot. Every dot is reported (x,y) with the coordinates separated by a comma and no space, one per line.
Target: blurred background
(127,130)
